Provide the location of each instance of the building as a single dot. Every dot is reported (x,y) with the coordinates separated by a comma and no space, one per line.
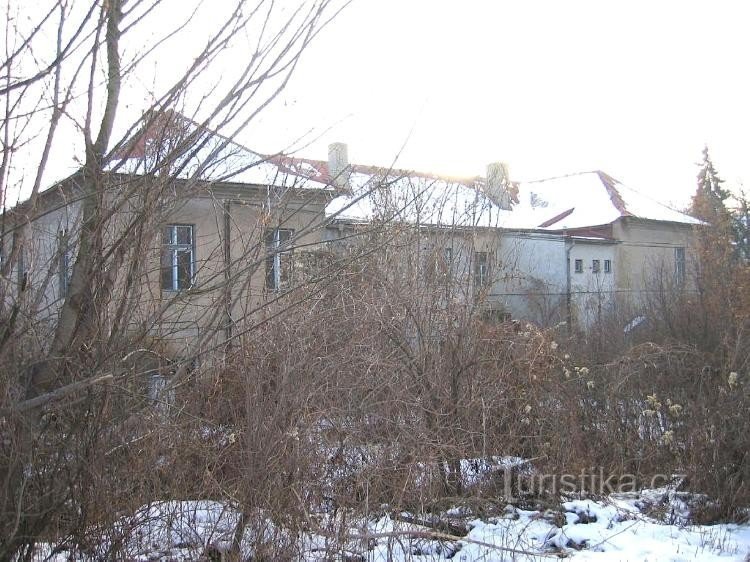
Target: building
(561,249)
(195,232)
(204,237)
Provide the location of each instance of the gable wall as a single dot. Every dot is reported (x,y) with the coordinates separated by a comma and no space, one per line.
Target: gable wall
(231,288)
(647,252)
(592,293)
(177,318)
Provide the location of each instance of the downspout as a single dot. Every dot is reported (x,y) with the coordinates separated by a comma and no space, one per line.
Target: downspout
(227,275)
(568,282)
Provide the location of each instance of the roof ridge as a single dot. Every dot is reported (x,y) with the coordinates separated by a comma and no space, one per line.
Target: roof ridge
(569,175)
(374,168)
(609,185)
(640,193)
(158,121)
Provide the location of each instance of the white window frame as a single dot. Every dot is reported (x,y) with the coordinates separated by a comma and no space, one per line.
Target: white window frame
(482,269)
(160,392)
(447,262)
(578,266)
(173,249)
(679,265)
(596,266)
(22,262)
(64,269)
(278,250)
(607,266)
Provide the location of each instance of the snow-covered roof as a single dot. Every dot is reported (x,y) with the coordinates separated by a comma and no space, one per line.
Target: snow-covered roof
(592,198)
(569,202)
(415,198)
(175,145)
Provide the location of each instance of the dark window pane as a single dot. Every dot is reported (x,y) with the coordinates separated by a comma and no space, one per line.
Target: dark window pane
(185,235)
(679,263)
(21,264)
(64,262)
(278,264)
(270,275)
(285,269)
(447,262)
(270,238)
(166,235)
(481,268)
(167,256)
(184,268)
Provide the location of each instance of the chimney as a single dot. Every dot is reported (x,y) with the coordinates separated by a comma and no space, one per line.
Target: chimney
(338,165)
(498,184)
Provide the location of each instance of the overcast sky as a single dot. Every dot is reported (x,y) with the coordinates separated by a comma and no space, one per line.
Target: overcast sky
(551,87)
(635,88)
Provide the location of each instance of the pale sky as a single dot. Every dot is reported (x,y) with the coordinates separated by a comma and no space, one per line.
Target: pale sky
(552,87)
(635,88)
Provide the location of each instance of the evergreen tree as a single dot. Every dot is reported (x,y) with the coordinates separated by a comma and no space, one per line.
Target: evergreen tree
(741,227)
(710,205)
(709,201)
(713,249)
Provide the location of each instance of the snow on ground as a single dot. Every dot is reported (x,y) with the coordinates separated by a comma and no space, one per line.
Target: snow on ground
(610,531)
(599,531)
(614,529)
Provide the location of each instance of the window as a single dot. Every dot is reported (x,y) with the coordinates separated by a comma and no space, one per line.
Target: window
(447,263)
(579,266)
(596,266)
(496,316)
(607,266)
(448,258)
(177,257)
(279,263)
(22,266)
(23,273)
(157,387)
(481,269)
(679,265)
(160,393)
(439,265)
(63,256)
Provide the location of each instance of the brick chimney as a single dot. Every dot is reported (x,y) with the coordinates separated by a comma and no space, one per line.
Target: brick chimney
(338,165)
(498,185)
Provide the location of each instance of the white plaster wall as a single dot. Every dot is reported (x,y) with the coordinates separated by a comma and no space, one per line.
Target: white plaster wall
(40,259)
(592,294)
(530,280)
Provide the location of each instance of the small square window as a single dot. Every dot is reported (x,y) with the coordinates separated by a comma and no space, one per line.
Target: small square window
(607,266)
(579,266)
(596,266)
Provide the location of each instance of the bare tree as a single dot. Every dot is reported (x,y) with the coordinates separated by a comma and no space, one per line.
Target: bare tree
(73,341)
